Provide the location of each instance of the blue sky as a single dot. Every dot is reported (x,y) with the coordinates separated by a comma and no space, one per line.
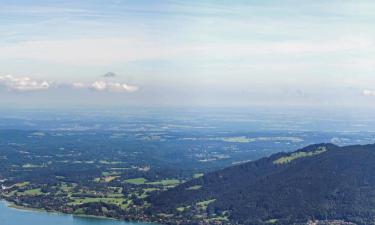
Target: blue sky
(214,53)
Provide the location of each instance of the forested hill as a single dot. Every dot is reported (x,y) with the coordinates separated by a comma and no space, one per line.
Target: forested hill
(319,182)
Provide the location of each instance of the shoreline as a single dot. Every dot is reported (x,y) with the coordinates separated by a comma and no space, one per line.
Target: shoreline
(14,206)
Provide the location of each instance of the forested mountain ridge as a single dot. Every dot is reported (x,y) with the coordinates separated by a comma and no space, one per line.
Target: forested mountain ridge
(319,182)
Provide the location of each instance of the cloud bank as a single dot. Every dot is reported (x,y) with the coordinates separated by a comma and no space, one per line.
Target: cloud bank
(368,92)
(112,87)
(24,84)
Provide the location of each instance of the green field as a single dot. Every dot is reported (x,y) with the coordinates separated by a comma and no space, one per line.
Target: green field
(166,182)
(297,155)
(195,187)
(136,181)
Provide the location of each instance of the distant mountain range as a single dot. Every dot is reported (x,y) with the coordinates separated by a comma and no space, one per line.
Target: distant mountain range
(323,182)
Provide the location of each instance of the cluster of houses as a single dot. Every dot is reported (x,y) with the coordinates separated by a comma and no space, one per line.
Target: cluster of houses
(3,187)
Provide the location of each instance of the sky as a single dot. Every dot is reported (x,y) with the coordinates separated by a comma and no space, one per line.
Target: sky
(187,53)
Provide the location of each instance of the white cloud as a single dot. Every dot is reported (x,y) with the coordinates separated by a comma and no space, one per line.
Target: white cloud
(112,87)
(368,92)
(99,86)
(78,85)
(23,83)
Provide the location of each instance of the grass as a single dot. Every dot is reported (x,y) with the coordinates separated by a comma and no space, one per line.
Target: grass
(79,211)
(115,195)
(110,178)
(28,165)
(219,218)
(165,215)
(148,190)
(65,188)
(120,168)
(22,184)
(297,155)
(193,188)
(166,182)
(109,162)
(32,192)
(180,209)
(241,139)
(142,196)
(203,205)
(136,181)
(111,173)
(79,201)
(198,175)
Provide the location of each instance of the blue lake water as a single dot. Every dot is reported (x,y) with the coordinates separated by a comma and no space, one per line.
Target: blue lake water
(10,216)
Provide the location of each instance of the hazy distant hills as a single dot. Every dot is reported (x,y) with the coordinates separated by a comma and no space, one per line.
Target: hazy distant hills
(319,182)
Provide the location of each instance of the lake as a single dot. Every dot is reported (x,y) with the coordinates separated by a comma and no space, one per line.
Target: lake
(11,216)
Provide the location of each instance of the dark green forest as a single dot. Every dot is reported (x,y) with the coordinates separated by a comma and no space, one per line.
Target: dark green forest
(319,182)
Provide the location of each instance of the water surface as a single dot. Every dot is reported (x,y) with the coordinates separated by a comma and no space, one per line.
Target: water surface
(11,216)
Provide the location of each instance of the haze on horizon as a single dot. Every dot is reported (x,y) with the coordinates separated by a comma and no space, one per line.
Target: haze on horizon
(176,53)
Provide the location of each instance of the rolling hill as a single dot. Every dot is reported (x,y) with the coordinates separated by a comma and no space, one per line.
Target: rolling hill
(320,182)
